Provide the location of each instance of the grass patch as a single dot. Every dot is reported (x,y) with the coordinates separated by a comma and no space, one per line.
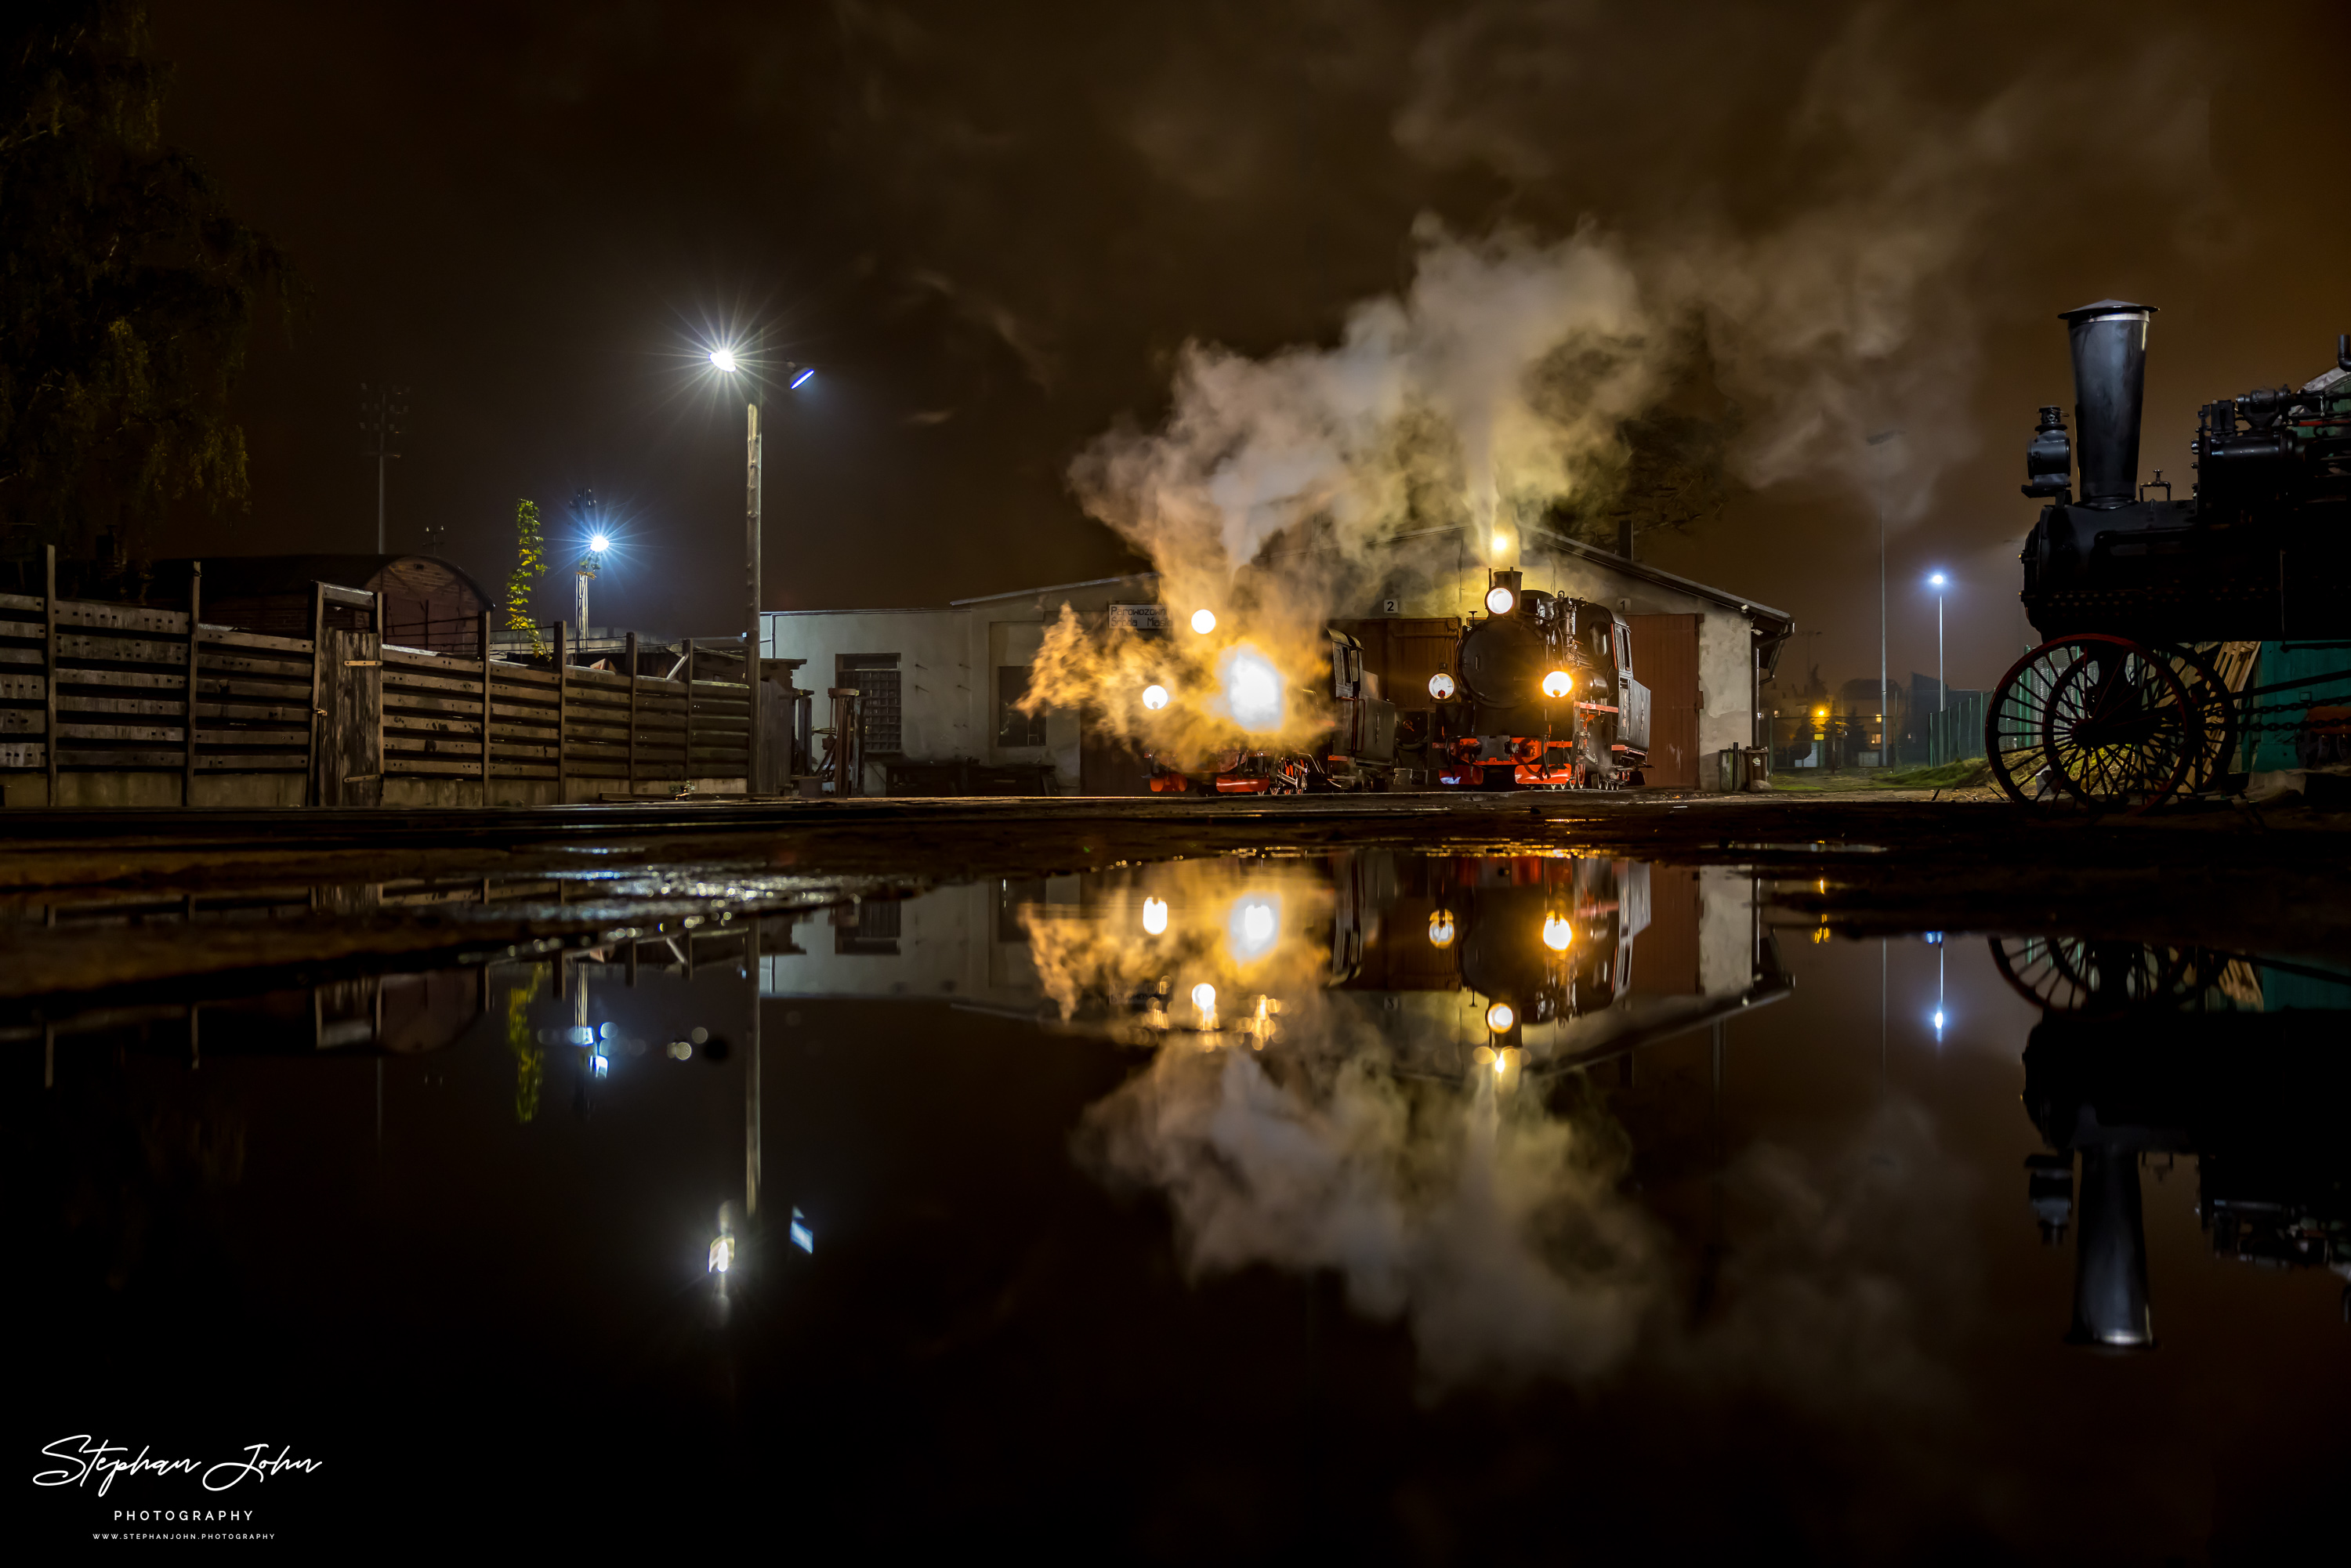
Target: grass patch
(1943,776)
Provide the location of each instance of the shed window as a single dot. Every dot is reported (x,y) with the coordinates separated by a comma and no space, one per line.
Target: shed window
(881,722)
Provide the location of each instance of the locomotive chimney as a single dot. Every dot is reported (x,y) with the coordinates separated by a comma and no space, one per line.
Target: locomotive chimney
(2110,1255)
(2109,341)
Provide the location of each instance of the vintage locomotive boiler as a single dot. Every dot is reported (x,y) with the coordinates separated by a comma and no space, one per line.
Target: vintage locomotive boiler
(2127,701)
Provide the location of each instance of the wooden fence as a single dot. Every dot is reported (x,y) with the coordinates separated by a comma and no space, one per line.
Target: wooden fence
(113,704)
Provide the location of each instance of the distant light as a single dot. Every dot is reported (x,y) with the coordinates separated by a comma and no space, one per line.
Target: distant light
(1502,542)
(1937,580)
(1938,1020)
(1558,932)
(1154,697)
(801,379)
(1820,713)
(599,543)
(1440,929)
(1440,686)
(1204,999)
(802,1237)
(1154,916)
(724,358)
(1558,684)
(1204,622)
(1499,599)
(1499,1017)
(722,1254)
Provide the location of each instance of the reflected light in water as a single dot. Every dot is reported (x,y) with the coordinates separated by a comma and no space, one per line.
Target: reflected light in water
(1558,932)
(1154,916)
(1440,929)
(1204,998)
(1501,1017)
(722,1254)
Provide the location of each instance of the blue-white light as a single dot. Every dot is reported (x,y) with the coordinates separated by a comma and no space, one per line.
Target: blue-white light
(799,379)
(603,1064)
(1938,1020)
(1936,581)
(599,543)
(802,1237)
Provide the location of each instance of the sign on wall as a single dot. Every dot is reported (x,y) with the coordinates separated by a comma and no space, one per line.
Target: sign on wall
(1139,617)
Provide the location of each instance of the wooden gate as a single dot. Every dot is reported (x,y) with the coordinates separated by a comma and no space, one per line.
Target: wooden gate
(348,629)
(1664,659)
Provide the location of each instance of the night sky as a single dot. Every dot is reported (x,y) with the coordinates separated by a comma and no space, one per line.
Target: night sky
(991,228)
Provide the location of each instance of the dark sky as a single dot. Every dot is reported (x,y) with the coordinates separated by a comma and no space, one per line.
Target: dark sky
(991,227)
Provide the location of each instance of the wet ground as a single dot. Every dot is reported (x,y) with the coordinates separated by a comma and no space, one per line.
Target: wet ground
(1462,1181)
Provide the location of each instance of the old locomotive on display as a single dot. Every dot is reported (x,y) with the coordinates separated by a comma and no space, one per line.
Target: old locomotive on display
(2152,608)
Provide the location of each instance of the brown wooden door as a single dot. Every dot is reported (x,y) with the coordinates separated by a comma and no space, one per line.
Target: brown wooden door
(1664,659)
(350,704)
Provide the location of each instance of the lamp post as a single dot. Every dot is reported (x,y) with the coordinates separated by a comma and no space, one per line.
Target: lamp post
(726,361)
(1880,439)
(1942,690)
(590,562)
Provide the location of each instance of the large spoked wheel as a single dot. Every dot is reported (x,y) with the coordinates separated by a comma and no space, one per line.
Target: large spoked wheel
(2073,974)
(2099,718)
(2216,711)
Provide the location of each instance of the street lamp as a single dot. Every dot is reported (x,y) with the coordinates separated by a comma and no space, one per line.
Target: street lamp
(1942,692)
(725,361)
(1880,439)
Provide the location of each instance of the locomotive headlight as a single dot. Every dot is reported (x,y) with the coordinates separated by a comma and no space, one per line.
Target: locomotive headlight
(1558,932)
(1154,697)
(1440,930)
(1252,688)
(1440,686)
(1558,684)
(1499,600)
(1204,622)
(1501,1017)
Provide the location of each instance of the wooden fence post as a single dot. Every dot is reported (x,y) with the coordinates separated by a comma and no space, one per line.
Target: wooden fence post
(562,723)
(685,770)
(310,792)
(188,726)
(486,712)
(632,735)
(50,671)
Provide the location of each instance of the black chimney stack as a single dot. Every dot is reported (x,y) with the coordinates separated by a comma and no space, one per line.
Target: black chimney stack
(2109,385)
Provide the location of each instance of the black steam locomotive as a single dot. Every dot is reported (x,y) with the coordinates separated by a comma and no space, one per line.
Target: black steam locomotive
(2127,701)
(1540,696)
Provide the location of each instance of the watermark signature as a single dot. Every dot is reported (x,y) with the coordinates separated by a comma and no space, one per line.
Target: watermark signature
(85,1456)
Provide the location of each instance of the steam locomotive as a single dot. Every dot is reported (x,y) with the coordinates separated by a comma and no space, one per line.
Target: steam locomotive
(1542,696)
(1538,693)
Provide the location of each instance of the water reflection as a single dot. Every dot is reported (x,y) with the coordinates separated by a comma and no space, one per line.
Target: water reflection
(1324,1149)
(2145,1050)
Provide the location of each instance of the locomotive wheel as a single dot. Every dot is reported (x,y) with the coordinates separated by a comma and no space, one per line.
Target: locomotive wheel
(2216,710)
(2099,718)
(2073,974)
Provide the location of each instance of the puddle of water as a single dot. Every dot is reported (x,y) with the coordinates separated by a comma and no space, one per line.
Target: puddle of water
(1405,1205)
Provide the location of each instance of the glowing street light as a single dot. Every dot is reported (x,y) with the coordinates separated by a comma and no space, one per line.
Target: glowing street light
(1154,697)
(583,507)
(1204,622)
(723,361)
